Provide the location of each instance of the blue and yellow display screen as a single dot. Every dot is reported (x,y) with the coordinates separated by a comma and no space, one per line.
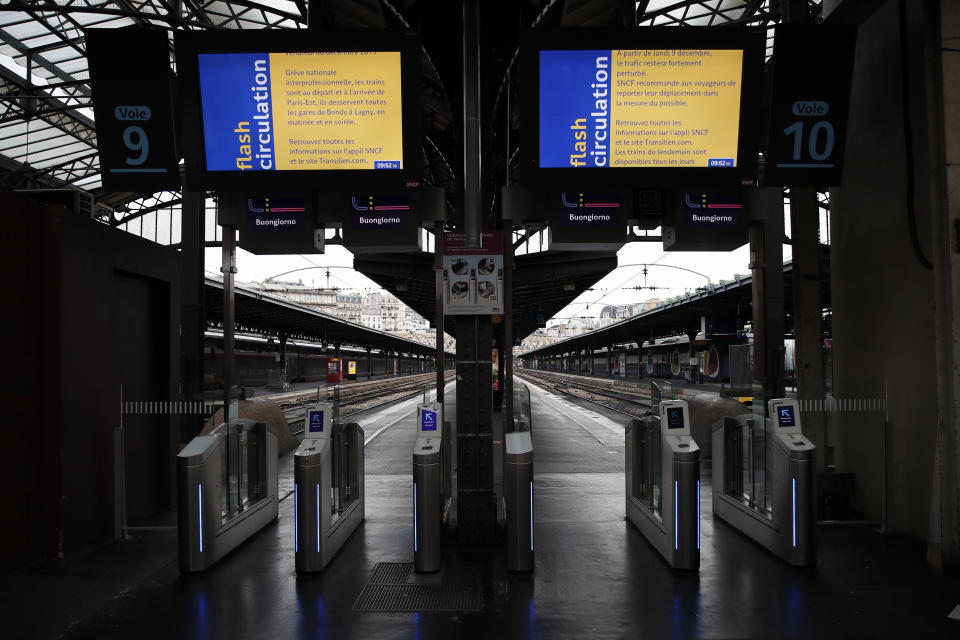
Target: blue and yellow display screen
(301,111)
(640,107)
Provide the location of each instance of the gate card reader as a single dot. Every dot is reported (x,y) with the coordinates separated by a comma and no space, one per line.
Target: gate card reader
(784,416)
(328,500)
(317,422)
(663,483)
(428,488)
(763,480)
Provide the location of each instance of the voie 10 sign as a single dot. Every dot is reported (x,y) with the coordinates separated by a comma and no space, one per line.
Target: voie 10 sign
(132,105)
(812,73)
(299,109)
(664,104)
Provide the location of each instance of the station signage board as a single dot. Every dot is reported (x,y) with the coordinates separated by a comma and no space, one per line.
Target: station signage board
(273,223)
(132,105)
(706,221)
(812,74)
(300,109)
(670,107)
(588,221)
(472,278)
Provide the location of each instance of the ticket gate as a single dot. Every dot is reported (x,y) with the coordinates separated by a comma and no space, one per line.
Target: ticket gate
(226,490)
(431,487)
(328,488)
(663,483)
(518,499)
(763,480)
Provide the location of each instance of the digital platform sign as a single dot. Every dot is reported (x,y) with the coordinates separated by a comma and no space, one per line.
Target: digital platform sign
(296,111)
(640,107)
(300,110)
(666,104)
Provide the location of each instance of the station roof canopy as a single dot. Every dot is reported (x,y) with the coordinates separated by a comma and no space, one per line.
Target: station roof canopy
(728,300)
(48,134)
(257,312)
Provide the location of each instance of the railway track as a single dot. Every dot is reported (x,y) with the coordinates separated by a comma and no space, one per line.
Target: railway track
(634,400)
(355,397)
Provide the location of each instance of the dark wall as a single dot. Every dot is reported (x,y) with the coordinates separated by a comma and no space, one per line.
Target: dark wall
(91,308)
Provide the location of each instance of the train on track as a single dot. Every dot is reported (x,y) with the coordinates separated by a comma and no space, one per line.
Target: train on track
(726,358)
(257,362)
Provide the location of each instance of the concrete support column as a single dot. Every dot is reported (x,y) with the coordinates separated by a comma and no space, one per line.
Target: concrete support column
(944,539)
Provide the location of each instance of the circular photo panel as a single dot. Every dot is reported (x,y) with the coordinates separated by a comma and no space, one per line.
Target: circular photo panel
(460,267)
(486,289)
(486,266)
(459,290)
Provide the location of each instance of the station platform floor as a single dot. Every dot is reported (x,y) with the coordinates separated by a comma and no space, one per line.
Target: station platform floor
(596,576)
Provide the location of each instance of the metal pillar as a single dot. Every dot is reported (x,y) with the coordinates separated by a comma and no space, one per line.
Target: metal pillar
(192,321)
(807,319)
(506,355)
(369,364)
(283,357)
(766,264)
(438,309)
(471,124)
(476,502)
(228,268)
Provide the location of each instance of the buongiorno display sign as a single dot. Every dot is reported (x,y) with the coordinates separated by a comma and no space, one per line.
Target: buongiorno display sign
(644,104)
(299,110)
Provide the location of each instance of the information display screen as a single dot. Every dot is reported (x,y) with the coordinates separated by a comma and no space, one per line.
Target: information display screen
(669,105)
(299,110)
(674,417)
(316,422)
(785,416)
(307,110)
(640,107)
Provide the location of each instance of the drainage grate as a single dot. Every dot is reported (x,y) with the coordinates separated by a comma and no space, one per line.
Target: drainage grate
(418,597)
(391,572)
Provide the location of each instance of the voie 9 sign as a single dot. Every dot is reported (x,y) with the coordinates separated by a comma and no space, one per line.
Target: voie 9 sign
(662,104)
(290,110)
(130,81)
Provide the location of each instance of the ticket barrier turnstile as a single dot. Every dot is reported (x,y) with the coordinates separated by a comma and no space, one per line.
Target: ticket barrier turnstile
(227,490)
(328,487)
(763,480)
(431,487)
(663,483)
(518,499)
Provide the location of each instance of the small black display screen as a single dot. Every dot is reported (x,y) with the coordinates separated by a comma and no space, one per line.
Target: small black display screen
(674,417)
(785,417)
(316,422)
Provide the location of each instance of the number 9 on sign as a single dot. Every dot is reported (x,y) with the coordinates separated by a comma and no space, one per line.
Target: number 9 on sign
(135,139)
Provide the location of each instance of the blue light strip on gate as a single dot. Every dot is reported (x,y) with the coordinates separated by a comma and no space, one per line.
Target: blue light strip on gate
(318,517)
(531,516)
(200,504)
(414,517)
(698,515)
(296,519)
(676,517)
(793,482)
